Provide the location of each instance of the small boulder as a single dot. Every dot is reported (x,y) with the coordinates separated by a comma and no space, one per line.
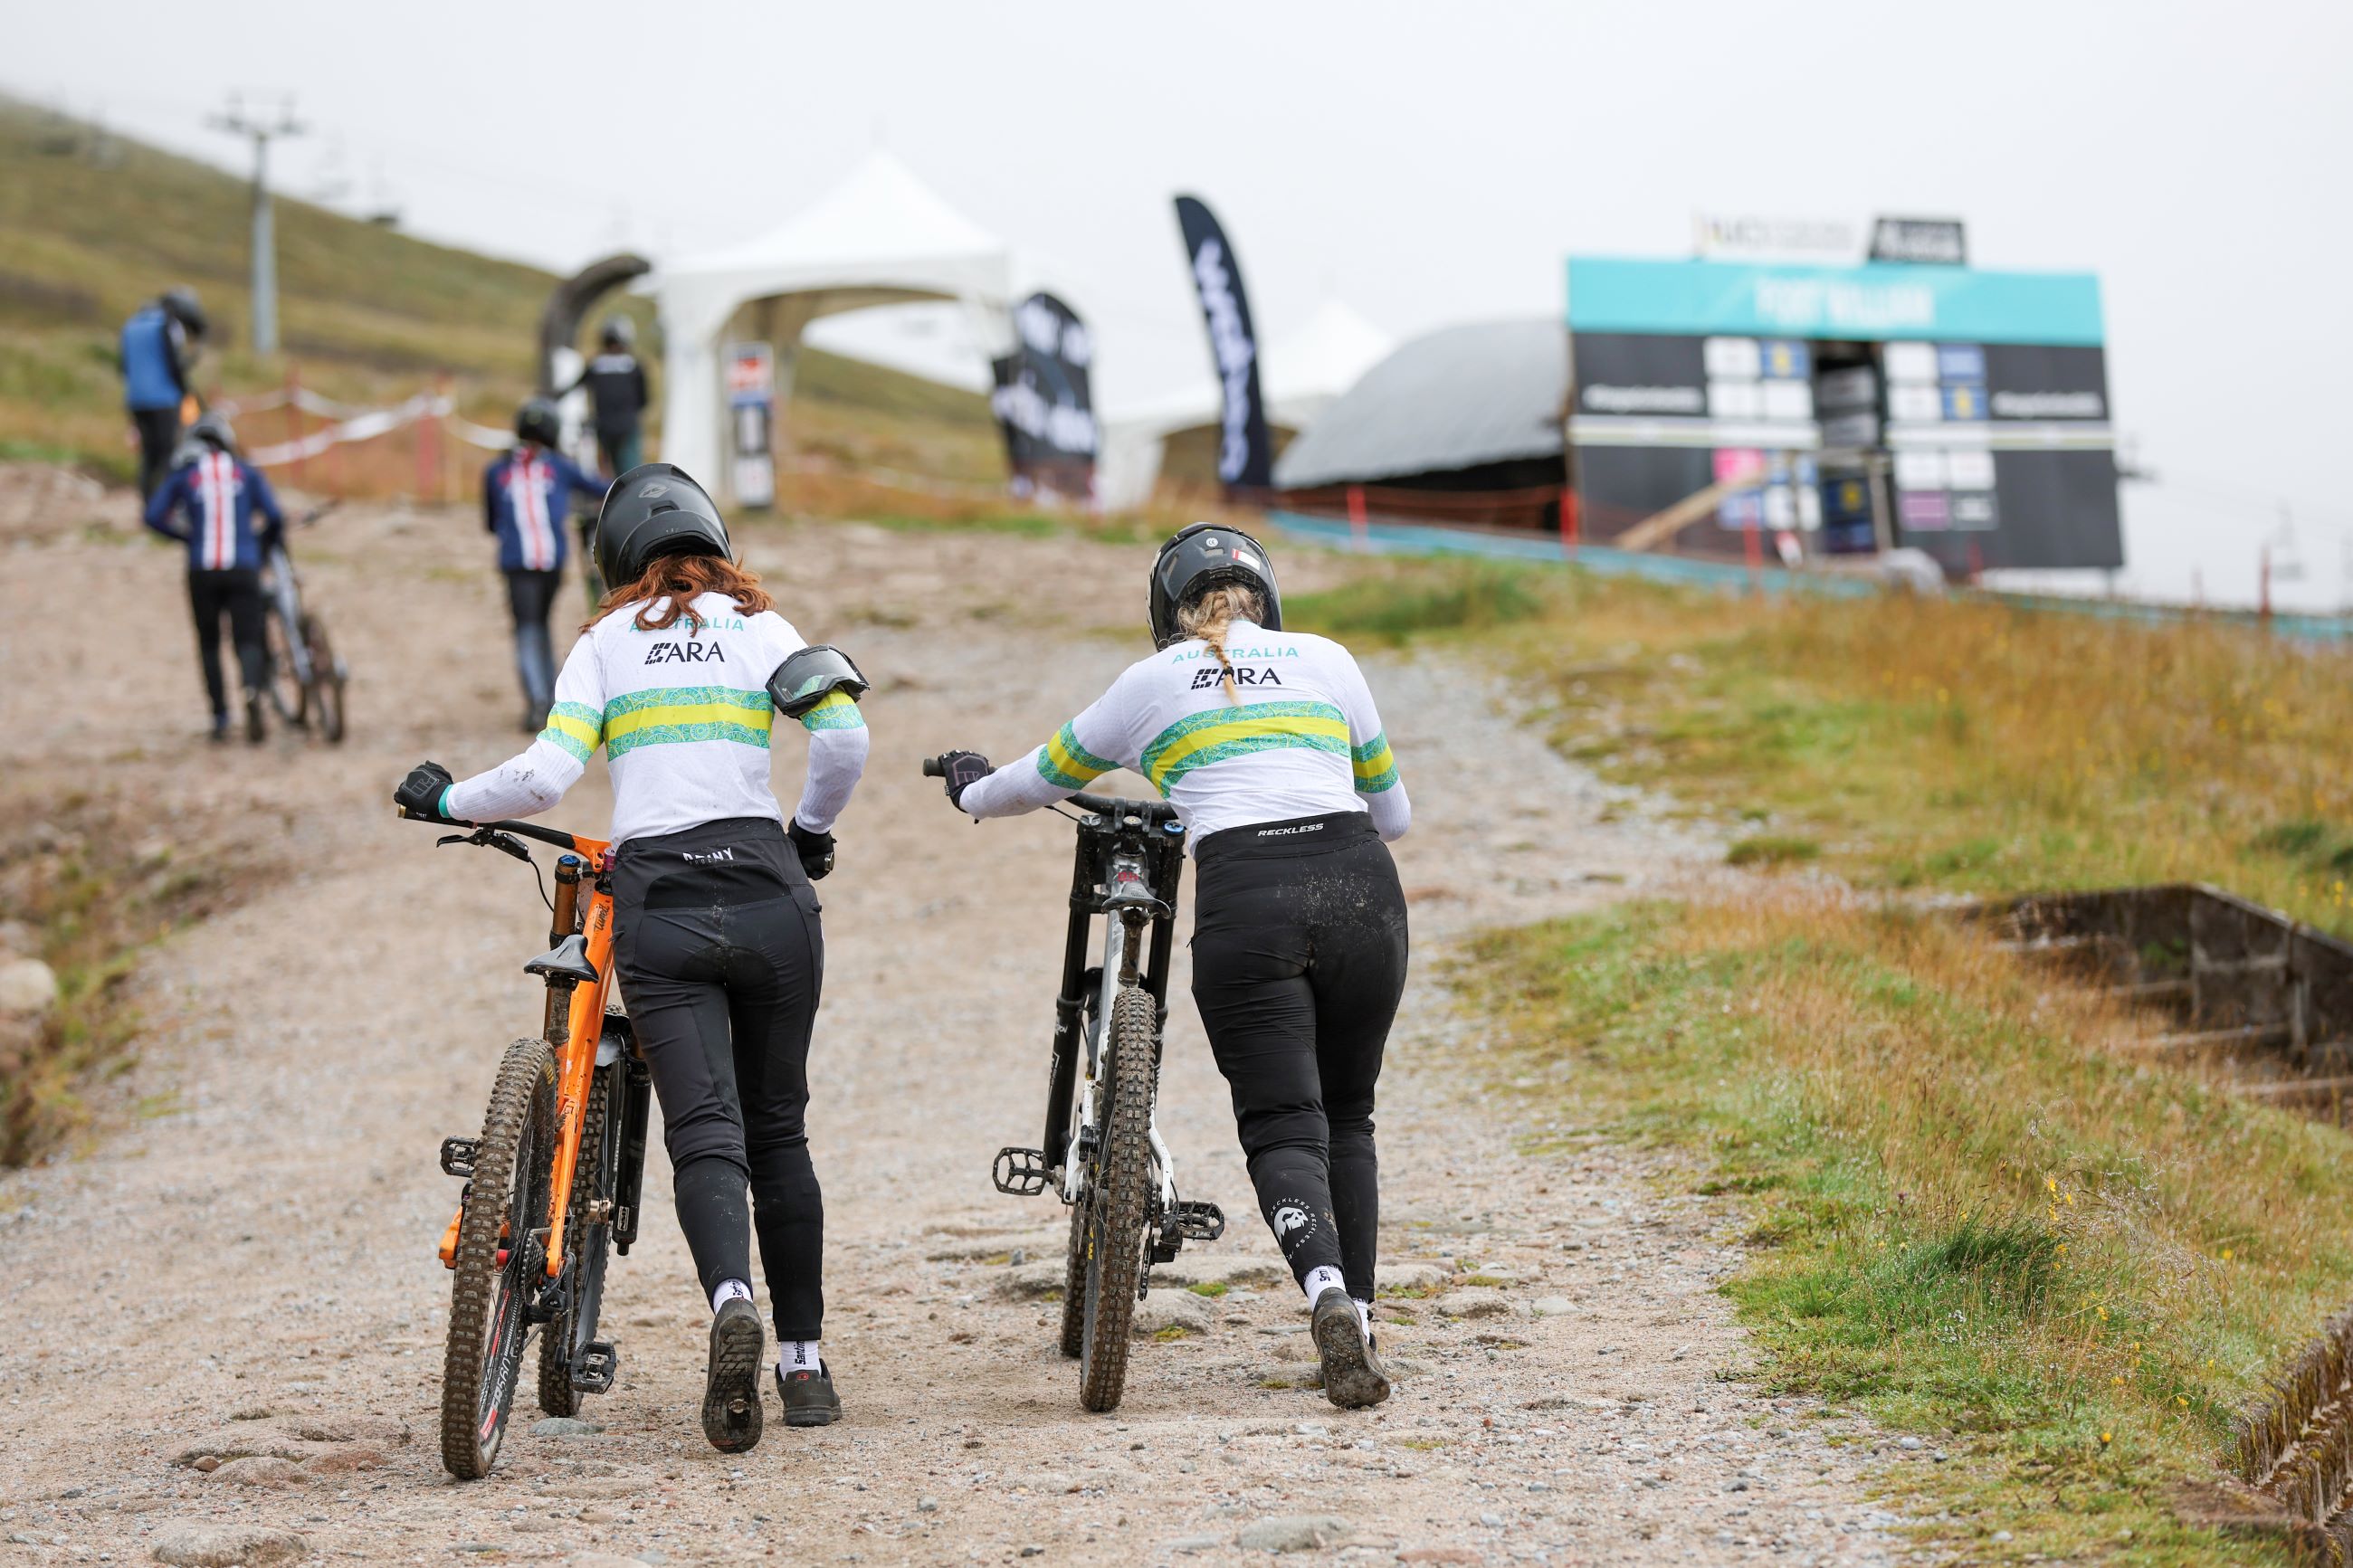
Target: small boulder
(260,1470)
(1552,1307)
(1475,1301)
(1293,1532)
(1166,1310)
(193,1544)
(27,985)
(565,1427)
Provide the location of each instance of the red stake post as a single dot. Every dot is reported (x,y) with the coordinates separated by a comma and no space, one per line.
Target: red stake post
(1359,525)
(1752,539)
(1570,522)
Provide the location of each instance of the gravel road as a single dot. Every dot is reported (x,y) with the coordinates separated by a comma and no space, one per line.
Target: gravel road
(237,1265)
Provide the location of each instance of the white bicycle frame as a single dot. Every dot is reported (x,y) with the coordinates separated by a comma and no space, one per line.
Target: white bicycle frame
(1114,961)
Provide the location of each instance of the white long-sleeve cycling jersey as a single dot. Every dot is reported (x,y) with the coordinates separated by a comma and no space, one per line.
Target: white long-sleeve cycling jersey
(1304,739)
(684,716)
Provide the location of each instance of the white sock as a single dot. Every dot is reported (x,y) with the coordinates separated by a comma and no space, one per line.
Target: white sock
(798,1355)
(1323,1278)
(1364,1319)
(729,1290)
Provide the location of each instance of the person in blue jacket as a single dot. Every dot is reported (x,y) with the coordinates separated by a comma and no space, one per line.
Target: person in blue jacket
(523,497)
(210,503)
(154,354)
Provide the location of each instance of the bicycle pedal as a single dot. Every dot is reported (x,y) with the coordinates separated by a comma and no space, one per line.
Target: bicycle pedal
(594,1366)
(1196,1221)
(458,1157)
(1022,1173)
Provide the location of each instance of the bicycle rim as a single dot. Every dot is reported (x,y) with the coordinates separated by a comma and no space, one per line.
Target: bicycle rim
(1122,1207)
(500,1258)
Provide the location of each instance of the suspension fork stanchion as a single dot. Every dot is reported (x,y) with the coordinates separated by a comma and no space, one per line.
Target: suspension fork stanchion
(576,1067)
(1069,1013)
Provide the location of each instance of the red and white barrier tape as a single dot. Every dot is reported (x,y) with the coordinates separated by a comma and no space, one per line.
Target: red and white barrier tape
(366,425)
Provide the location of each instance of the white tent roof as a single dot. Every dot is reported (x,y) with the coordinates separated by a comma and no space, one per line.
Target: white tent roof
(879,237)
(1300,375)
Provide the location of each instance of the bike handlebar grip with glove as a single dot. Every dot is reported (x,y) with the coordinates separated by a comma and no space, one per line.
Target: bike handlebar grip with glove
(962,770)
(419,796)
(815,850)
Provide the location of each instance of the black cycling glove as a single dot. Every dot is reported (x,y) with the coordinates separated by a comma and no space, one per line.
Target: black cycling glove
(963,770)
(419,794)
(815,848)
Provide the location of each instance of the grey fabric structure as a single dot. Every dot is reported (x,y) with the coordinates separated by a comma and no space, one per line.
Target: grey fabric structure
(1459,397)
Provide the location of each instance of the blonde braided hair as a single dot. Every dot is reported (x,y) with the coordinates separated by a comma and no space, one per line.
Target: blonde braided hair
(1208,616)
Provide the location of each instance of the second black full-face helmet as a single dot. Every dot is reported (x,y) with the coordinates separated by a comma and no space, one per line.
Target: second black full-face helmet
(1202,556)
(655,510)
(537,421)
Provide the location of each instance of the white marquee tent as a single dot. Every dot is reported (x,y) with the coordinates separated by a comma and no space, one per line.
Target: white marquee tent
(1301,373)
(880,237)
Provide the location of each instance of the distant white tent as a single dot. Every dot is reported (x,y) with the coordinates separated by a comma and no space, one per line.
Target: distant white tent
(1300,375)
(880,237)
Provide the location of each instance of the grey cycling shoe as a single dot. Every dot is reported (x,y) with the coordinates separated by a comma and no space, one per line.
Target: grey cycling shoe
(809,1397)
(1353,1375)
(731,1395)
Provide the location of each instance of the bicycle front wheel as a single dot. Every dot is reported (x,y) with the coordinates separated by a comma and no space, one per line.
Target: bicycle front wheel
(323,701)
(502,1256)
(1123,1197)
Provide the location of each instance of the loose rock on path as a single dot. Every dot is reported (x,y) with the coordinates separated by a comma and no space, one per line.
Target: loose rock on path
(233,1280)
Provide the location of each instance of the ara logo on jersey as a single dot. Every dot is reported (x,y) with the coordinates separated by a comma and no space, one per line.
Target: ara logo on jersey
(1214,674)
(685,653)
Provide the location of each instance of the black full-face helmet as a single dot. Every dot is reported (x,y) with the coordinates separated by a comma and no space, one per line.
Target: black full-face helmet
(655,510)
(537,421)
(181,304)
(1202,556)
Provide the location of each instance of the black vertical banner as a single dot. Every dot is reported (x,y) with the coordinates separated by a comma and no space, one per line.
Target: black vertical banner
(1044,399)
(1245,456)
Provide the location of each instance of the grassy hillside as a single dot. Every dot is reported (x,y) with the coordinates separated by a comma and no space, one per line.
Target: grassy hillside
(370,315)
(1968,1217)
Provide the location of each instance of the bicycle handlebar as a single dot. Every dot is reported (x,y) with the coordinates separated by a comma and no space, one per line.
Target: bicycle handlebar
(555,835)
(1101,805)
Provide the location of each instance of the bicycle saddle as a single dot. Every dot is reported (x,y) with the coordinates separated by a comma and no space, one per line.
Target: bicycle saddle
(568,960)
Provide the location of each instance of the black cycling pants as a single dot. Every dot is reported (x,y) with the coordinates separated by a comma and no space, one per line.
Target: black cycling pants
(159,434)
(235,594)
(720,957)
(1299,959)
(530,599)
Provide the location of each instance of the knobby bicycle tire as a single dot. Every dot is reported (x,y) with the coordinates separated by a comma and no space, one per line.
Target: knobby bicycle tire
(576,1325)
(325,697)
(1123,1198)
(1074,1277)
(489,1322)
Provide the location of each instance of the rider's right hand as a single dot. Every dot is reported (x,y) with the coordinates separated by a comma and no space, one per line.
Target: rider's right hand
(419,794)
(963,770)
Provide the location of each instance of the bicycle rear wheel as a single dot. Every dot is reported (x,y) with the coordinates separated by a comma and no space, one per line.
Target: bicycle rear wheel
(586,1240)
(1123,1197)
(323,702)
(502,1256)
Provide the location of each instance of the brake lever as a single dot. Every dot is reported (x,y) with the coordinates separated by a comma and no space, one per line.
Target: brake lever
(489,839)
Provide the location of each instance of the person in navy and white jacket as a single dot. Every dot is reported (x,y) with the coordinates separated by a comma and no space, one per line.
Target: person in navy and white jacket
(524,502)
(210,502)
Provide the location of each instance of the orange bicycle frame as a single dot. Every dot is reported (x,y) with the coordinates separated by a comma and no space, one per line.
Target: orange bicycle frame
(579,1031)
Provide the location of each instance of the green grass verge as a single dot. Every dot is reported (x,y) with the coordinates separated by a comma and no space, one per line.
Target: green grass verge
(1966,1219)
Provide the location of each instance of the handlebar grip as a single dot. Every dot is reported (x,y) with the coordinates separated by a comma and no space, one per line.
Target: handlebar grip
(932,770)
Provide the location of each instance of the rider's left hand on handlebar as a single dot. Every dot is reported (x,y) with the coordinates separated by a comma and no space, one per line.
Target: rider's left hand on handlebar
(419,794)
(963,770)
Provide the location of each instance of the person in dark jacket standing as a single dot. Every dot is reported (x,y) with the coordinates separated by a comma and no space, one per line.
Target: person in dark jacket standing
(523,496)
(217,495)
(617,396)
(155,355)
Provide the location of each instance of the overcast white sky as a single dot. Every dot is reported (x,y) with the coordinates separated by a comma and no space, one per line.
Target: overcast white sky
(1429,164)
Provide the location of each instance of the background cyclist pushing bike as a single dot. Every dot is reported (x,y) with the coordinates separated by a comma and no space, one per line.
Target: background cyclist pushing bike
(1269,746)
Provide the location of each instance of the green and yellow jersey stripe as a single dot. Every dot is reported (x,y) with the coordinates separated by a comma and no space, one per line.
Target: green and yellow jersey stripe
(837,711)
(1220,734)
(1066,765)
(670,715)
(1375,768)
(575,727)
